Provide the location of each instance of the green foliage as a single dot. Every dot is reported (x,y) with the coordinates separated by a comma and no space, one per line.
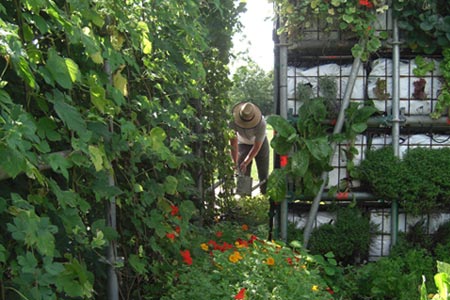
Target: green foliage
(348,237)
(393,277)
(420,182)
(107,102)
(307,142)
(426,24)
(441,279)
(355,18)
(253,84)
(443,103)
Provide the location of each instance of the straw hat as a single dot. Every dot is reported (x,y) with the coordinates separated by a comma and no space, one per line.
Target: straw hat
(246,115)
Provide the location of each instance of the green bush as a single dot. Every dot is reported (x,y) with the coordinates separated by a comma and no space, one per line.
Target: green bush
(349,237)
(393,277)
(420,182)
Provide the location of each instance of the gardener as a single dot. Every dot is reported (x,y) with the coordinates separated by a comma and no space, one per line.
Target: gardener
(250,141)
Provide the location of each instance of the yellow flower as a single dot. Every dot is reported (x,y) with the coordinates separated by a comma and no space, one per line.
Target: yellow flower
(270,261)
(315,288)
(235,257)
(204,246)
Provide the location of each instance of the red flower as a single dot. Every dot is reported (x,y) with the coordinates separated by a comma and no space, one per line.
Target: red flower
(252,239)
(219,234)
(329,290)
(241,294)
(174,211)
(289,260)
(170,236)
(177,229)
(366,3)
(186,257)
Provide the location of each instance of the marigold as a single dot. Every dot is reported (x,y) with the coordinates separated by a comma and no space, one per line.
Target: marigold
(270,261)
(204,246)
(315,288)
(244,227)
(235,257)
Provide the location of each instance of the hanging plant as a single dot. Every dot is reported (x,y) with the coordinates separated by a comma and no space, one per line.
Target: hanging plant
(357,17)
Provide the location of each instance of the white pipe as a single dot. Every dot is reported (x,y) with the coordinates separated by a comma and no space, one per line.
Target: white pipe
(337,129)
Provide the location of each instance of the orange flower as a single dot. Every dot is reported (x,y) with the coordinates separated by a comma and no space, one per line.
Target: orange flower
(235,257)
(241,294)
(204,246)
(270,261)
(186,257)
(244,227)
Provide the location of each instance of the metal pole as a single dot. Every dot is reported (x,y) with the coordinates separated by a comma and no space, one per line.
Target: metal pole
(113,284)
(395,118)
(337,129)
(283,112)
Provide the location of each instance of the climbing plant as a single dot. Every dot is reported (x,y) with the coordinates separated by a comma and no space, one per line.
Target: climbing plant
(106,104)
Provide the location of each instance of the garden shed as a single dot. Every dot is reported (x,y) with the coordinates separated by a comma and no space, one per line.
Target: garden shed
(402,81)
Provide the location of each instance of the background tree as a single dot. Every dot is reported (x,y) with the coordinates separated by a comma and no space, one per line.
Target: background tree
(252,83)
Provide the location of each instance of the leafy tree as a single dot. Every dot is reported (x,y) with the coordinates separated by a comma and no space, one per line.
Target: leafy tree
(252,83)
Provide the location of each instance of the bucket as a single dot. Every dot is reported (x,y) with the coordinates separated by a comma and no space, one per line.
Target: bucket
(244,185)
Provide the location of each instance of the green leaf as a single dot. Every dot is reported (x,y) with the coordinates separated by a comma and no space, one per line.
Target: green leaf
(187,209)
(98,97)
(281,145)
(12,162)
(319,148)
(70,116)
(96,154)
(57,67)
(28,263)
(46,128)
(75,280)
(98,241)
(282,127)
(34,231)
(170,185)
(157,137)
(137,263)
(59,163)
(277,185)
(359,127)
(299,163)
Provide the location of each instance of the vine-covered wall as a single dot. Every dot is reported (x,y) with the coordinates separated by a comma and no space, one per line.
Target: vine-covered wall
(106,105)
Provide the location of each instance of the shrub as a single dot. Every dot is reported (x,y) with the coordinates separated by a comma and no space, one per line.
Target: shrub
(420,182)
(349,237)
(394,277)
